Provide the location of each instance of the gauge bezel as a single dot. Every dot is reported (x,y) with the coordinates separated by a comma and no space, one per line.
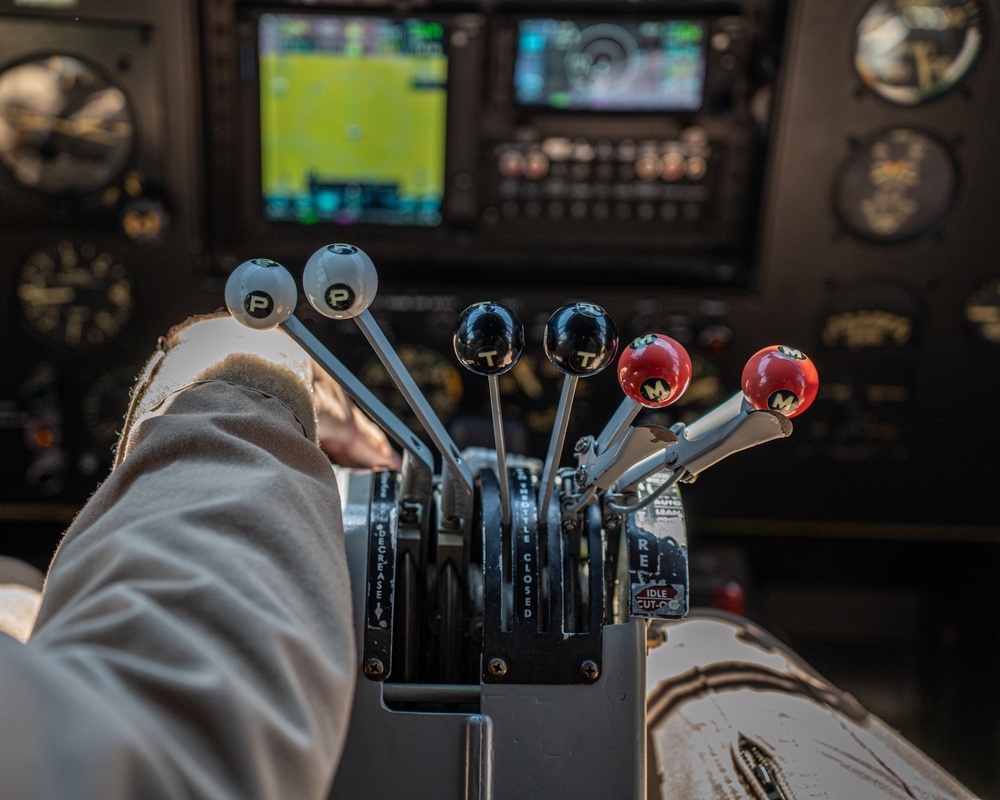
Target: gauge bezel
(59,343)
(7,175)
(956,86)
(863,144)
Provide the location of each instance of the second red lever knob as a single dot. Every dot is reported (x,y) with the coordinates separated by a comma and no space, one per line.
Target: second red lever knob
(781,379)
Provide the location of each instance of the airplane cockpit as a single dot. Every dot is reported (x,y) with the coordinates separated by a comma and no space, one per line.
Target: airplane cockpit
(739,206)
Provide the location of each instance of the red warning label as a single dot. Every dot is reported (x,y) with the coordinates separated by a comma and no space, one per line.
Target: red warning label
(654,598)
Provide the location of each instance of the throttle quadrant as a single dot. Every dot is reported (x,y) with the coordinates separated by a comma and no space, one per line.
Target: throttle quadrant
(502,601)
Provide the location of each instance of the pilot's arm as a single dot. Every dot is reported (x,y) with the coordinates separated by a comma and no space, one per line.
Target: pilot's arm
(194,638)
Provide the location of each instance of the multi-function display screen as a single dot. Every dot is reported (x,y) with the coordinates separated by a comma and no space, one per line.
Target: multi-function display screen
(352,117)
(655,65)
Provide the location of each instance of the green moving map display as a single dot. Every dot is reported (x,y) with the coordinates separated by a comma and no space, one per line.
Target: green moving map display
(352,118)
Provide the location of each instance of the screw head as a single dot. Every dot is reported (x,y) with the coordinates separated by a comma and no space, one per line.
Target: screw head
(590,670)
(374,668)
(655,636)
(497,667)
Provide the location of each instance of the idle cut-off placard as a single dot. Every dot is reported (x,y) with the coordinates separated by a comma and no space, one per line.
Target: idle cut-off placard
(658,554)
(382,545)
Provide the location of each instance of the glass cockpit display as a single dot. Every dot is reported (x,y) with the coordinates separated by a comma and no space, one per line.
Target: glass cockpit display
(352,117)
(653,65)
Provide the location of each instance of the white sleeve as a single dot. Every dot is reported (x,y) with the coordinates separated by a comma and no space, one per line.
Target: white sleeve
(195,633)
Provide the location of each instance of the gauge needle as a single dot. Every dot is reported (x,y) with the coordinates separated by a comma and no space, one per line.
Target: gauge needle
(922,52)
(93,129)
(47,295)
(524,374)
(81,128)
(82,278)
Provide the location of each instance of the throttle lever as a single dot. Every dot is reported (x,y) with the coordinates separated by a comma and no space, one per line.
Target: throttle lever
(580,340)
(488,341)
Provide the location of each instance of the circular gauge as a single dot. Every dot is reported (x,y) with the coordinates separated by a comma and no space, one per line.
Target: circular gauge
(603,57)
(64,128)
(75,296)
(897,186)
(437,376)
(910,50)
(982,311)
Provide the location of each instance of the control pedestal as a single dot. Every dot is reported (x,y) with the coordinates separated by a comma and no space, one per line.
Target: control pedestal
(502,603)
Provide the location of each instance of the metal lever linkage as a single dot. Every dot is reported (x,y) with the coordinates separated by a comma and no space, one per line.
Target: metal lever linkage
(727,429)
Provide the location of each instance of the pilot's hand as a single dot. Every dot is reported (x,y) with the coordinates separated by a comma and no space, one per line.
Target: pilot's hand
(346,434)
(216,347)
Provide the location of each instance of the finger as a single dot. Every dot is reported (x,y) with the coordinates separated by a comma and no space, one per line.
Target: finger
(372,444)
(365,447)
(349,437)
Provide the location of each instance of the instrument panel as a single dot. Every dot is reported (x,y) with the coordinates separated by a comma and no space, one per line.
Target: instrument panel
(733,174)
